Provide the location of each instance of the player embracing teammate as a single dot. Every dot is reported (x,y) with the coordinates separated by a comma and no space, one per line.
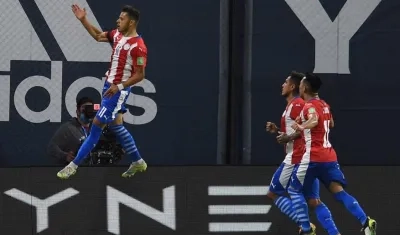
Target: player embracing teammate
(318,160)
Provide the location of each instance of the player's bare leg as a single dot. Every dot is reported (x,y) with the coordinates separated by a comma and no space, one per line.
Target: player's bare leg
(369,225)
(128,143)
(87,146)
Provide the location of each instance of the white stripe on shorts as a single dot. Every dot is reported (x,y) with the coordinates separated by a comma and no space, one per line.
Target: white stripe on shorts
(121,100)
(286,174)
(301,172)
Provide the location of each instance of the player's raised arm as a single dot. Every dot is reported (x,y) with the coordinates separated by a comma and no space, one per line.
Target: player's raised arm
(97,34)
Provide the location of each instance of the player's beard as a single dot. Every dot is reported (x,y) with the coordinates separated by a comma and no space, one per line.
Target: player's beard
(123,30)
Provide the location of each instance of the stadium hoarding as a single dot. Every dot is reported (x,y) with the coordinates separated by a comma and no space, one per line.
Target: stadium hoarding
(175,200)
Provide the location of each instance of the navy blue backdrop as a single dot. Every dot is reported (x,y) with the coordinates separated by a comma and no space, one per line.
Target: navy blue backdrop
(364,102)
(183,44)
(183,75)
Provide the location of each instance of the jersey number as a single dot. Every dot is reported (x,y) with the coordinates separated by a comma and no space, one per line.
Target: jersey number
(327,144)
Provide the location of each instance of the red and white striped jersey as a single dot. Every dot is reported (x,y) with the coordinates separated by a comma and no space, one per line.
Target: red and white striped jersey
(128,53)
(294,149)
(317,145)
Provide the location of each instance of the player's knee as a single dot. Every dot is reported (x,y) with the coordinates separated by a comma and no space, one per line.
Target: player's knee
(272,195)
(119,120)
(313,202)
(98,123)
(335,187)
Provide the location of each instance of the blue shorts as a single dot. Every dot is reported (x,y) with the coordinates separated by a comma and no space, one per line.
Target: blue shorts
(305,174)
(280,182)
(110,106)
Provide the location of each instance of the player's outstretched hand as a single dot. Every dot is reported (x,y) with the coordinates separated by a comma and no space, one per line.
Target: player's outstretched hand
(111,91)
(79,12)
(271,127)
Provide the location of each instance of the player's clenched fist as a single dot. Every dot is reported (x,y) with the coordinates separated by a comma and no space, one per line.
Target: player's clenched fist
(79,13)
(298,120)
(271,127)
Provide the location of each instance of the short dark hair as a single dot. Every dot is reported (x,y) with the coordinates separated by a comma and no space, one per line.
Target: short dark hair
(132,12)
(82,101)
(295,78)
(313,82)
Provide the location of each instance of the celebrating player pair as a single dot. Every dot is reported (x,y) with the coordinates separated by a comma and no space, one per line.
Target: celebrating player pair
(310,158)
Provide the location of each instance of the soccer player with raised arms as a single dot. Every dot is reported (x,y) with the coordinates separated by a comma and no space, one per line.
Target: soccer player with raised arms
(127,68)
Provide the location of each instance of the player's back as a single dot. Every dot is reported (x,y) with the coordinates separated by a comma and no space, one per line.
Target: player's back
(317,139)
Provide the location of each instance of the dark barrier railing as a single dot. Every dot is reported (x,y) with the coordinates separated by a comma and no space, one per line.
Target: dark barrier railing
(176,200)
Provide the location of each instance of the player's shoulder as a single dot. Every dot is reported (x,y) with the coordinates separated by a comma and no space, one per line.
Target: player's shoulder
(325,103)
(113,32)
(309,107)
(140,41)
(298,101)
(308,104)
(140,44)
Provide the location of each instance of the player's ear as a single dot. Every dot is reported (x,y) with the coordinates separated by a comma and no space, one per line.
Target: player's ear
(307,88)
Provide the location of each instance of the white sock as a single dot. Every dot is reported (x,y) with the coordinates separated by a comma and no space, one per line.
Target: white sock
(140,161)
(73,165)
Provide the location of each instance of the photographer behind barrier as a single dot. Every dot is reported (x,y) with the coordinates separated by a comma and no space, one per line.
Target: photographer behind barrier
(65,142)
(68,138)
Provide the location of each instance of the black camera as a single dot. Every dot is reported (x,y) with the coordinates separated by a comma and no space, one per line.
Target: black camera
(107,151)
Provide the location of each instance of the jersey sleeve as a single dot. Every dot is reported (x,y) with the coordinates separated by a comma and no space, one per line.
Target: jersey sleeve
(139,56)
(308,109)
(111,34)
(296,110)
